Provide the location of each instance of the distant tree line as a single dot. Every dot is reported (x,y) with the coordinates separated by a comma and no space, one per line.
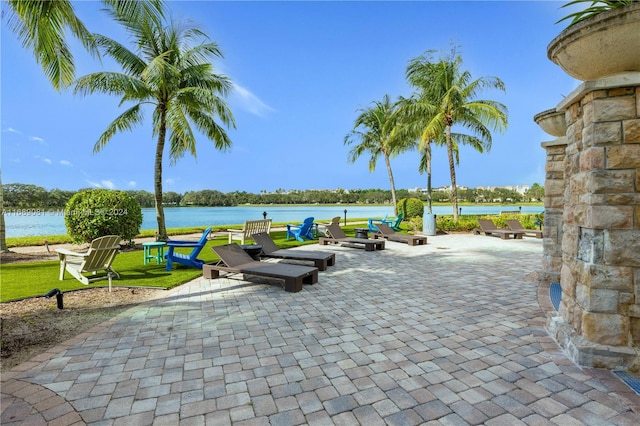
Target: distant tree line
(17,195)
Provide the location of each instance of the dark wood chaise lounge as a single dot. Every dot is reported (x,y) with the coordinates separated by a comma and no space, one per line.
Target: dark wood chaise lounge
(385,231)
(515,225)
(339,237)
(489,228)
(236,261)
(320,259)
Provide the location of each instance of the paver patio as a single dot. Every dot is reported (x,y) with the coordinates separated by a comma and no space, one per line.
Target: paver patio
(451,332)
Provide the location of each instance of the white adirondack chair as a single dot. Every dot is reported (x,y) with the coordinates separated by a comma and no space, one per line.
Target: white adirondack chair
(98,257)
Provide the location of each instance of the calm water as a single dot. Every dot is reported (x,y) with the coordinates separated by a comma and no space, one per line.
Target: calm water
(22,223)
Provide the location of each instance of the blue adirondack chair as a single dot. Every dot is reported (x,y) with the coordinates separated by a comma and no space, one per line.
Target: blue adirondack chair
(191,260)
(304,230)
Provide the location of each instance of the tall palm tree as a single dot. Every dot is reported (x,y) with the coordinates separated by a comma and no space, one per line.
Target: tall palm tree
(41,27)
(375,132)
(413,119)
(170,70)
(448,94)
(419,132)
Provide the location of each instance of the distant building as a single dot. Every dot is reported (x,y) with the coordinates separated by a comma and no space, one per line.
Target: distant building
(521,189)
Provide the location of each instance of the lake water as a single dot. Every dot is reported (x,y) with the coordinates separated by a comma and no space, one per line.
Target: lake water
(20,223)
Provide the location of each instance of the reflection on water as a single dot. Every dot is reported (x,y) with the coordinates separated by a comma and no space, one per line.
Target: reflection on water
(21,223)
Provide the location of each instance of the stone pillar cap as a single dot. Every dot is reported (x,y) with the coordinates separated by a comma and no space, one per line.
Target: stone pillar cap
(631,78)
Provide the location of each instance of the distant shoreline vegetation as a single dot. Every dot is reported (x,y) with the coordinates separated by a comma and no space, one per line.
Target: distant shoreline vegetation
(27,196)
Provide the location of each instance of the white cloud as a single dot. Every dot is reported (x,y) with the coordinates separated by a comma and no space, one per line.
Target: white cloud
(104,183)
(37,139)
(107,184)
(169,181)
(132,184)
(66,163)
(46,160)
(249,101)
(12,130)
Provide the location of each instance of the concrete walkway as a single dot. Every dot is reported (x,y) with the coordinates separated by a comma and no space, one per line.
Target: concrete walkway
(447,333)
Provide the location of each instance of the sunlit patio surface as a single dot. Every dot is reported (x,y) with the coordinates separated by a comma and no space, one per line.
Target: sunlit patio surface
(447,333)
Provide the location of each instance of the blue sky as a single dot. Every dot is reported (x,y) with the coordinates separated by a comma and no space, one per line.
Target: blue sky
(301,71)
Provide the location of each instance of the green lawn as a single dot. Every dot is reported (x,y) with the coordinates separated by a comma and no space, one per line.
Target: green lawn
(23,280)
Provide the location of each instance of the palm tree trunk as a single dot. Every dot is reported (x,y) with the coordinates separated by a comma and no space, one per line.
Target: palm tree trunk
(3,230)
(452,170)
(157,179)
(393,184)
(429,198)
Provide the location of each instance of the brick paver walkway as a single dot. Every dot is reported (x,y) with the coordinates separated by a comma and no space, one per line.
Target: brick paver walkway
(447,333)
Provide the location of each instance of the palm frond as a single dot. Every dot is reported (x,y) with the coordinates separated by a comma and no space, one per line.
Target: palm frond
(40,26)
(129,13)
(181,137)
(111,83)
(128,60)
(125,121)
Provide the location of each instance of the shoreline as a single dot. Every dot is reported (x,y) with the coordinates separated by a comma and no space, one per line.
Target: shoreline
(194,222)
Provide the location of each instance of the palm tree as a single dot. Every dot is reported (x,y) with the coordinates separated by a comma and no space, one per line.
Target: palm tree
(376,131)
(41,26)
(170,70)
(415,116)
(413,120)
(447,97)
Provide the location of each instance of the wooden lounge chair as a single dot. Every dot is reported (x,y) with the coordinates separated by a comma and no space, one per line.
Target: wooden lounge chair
(234,260)
(191,260)
(98,257)
(385,231)
(322,227)
(339,237)
(320,259)
(515,225)
(249,228)
(489,228)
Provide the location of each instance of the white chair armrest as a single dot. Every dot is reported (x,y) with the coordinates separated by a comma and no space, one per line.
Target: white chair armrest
(71,253)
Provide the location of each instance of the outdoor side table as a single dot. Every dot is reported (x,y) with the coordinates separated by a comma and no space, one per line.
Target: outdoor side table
(252,250)
(362,232)
(148,251)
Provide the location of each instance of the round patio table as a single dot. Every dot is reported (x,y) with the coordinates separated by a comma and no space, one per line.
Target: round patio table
(252,250)
(362,232)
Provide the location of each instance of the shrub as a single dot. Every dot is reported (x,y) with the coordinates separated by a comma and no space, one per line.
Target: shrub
(415,223)
(464,223)
(410,207)
(95,213)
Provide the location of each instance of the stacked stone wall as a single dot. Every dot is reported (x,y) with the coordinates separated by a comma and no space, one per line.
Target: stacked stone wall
(600,272)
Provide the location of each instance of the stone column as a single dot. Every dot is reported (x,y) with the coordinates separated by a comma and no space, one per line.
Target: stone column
(554,186)
(599,319)
(553,122)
